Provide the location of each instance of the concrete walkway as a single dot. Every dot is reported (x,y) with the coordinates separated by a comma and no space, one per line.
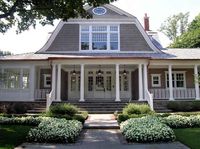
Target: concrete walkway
(101,121)
(102,138)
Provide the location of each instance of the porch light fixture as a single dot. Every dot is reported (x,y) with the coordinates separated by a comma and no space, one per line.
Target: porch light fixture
(74,72)
(99,72)
(124,72)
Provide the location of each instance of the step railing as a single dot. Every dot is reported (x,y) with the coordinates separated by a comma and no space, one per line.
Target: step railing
(149,98)
(49,99)
(41,93)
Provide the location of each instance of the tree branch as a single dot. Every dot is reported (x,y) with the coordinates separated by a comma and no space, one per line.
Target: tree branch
(11,11)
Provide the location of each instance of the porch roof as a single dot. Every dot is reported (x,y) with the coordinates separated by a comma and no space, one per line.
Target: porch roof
(178,54)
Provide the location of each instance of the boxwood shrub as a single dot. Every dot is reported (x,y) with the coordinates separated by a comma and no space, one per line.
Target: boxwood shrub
(28,120)
(55,130)
(146,129)
(124,117)
(62,109)
(133,108)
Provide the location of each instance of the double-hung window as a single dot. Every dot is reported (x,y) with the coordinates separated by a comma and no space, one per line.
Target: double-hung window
(178,80)
(99,37)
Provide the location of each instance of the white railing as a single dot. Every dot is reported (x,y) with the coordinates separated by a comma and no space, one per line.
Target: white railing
(41,93)
(49,100)
(186,93)
(149,98)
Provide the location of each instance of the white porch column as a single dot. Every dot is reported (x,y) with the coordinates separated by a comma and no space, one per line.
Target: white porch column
(145,80)
(82,84)
(196,75)
(117,84)
(170,83)
(140,82)
(32,81)
(53,84)
(59,83)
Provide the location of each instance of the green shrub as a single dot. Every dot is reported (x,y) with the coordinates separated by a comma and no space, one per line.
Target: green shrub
(137,109)
(79,118)
(124,117)
(55,130)
(146,129)
(84,114)
(180,106)
(29,120)
(63,109)
(178,121)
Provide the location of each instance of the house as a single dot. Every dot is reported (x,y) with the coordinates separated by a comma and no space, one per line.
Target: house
(107,58)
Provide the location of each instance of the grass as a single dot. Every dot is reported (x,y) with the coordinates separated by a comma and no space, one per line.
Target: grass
(12,135)
(189,137)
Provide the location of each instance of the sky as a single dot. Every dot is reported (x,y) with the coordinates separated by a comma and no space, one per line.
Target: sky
(158,11)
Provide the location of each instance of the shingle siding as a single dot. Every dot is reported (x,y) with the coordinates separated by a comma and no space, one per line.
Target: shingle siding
(131,39)
(67,39)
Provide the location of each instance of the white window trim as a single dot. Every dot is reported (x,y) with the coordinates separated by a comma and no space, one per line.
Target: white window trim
(108,37)
(45,81)
(175,86)
(159,80)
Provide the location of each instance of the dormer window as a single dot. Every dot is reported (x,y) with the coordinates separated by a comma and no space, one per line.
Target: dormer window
(99,37)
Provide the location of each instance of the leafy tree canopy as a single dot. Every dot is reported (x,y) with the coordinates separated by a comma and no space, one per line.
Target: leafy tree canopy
(26,13)
(191,38)
(175,25)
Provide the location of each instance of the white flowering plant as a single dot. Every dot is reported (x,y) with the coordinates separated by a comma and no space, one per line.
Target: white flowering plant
(55,130)
(178,121)
(146,129)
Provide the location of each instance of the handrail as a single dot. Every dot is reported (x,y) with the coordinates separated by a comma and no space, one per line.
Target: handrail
(149,97)
(49,100)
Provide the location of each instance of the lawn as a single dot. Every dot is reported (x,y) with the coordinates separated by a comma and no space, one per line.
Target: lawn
(12,135)
(189,137)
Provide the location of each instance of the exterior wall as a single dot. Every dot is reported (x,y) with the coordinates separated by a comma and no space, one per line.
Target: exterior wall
(67,39)
(131,39)
(189,77)
(42,73)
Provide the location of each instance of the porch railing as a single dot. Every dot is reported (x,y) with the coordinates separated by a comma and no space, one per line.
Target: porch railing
(149,98)
(49,100)
(41,93)
(162,93)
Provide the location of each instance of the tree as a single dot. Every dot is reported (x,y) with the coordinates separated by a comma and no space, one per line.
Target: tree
(4,53)
(175,25)
(26,13)
(191,38)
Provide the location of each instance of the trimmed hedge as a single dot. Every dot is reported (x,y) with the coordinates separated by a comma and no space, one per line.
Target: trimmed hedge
(55,130)
(146,129)
(184,106)
(28,120)
(123,117)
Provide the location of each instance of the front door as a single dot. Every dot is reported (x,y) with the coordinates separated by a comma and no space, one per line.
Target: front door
(99,86)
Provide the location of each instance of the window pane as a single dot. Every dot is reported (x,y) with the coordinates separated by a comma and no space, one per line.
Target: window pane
(99,45)
(114,45)
(84,45)
(99,28)
(25,78)
(99,37)
(12,78)
(114,37)
(113,28)
(84,28)
(99,41)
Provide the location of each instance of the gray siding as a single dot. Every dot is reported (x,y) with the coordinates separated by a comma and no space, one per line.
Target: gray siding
(67,39)
(131,39)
